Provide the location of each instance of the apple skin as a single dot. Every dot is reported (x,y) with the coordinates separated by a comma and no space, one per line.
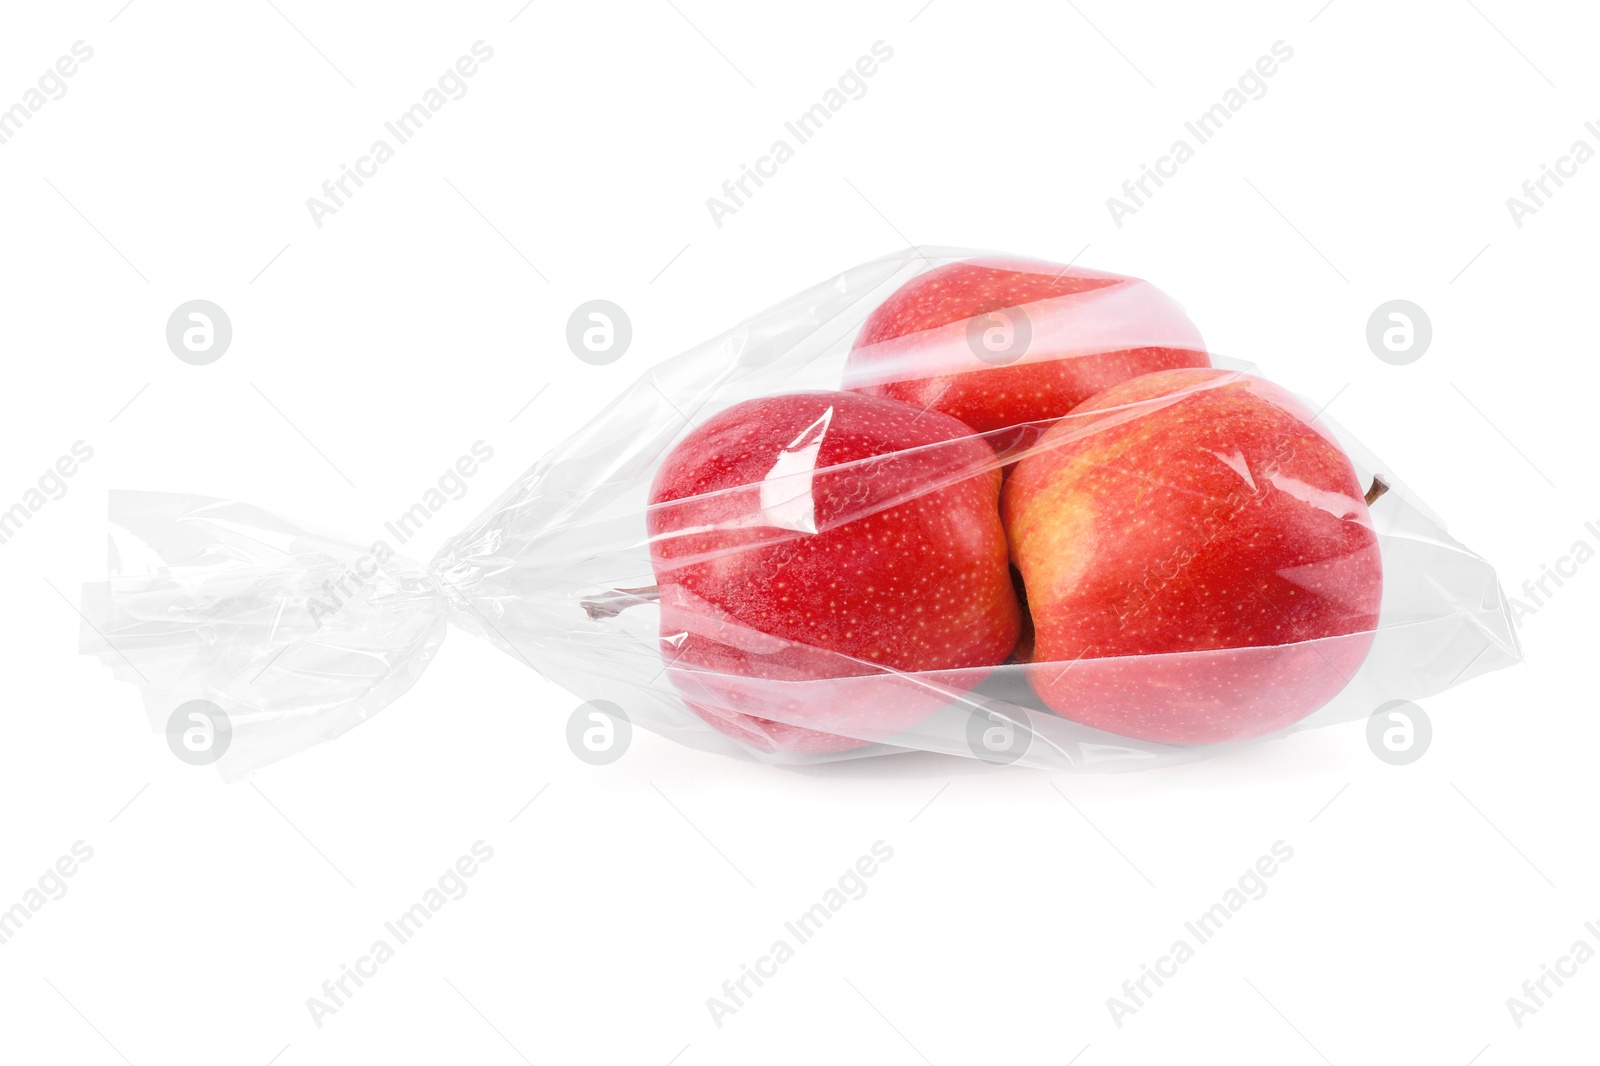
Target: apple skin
(1088,330)
(1198,559)
(828,535)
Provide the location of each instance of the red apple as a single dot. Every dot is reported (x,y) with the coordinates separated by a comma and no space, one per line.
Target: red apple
(809,546)
(1197,557)
(1000,342)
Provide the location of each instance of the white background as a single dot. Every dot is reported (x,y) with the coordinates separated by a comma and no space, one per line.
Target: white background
(416,321)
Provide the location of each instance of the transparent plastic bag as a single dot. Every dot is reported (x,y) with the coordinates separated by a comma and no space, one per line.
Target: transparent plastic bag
(297,635)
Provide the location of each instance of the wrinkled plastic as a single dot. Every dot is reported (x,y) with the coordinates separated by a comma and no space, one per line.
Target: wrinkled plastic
(299,635)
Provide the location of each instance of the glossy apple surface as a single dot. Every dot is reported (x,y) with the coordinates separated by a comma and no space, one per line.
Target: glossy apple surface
(1198,559)
(1000,342)
(810,549)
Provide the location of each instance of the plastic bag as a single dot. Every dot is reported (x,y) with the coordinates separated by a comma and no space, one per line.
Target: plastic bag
(298,635)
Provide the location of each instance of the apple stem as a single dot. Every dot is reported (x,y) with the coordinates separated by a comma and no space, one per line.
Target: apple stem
(1379,487)
(610,604)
